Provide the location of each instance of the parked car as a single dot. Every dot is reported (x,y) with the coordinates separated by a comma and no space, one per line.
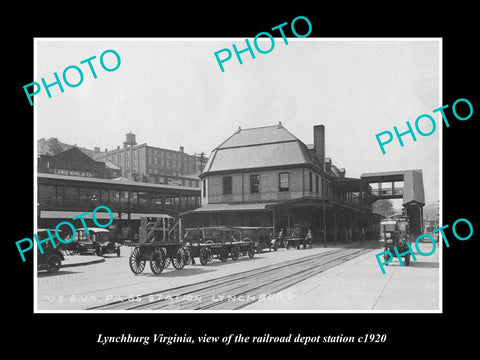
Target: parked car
(395,233)
(97,241)
(51,259)
(261,236)
(300,234)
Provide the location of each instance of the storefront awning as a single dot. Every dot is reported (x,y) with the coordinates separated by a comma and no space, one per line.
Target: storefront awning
(209,208)
(45,214)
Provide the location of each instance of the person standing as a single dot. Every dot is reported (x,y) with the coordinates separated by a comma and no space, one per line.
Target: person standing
(281,237)
(309,238)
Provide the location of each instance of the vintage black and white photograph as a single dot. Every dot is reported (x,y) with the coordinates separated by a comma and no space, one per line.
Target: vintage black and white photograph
(295,174)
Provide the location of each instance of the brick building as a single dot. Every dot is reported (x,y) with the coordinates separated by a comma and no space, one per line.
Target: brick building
(72,162)
(152,164)
(266,176)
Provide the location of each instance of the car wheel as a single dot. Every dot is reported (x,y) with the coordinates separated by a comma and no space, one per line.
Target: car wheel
(53,263)
(99,251)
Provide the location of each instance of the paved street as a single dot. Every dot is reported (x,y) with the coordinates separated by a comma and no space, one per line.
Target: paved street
(357,284)
(360,285)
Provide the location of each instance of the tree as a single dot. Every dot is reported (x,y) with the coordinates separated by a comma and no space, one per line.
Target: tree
(384,207)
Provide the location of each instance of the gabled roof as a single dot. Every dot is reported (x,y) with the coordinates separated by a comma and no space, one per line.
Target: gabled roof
(257,136)
(71,153)
(111,165)
(267,146)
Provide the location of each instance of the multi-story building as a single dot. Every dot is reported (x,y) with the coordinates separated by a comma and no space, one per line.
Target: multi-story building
(152,164)
(266,176)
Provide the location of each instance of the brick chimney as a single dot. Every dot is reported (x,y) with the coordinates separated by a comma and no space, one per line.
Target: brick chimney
(319,143)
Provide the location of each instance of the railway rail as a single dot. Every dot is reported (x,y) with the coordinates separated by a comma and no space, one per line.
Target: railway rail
(220,293)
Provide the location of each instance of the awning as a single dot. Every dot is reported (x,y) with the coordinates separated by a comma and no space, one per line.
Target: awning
(45,214)
(229,208)
(135,216)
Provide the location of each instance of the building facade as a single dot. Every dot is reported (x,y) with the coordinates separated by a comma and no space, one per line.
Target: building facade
(152,164)
(267,177)
(71,162)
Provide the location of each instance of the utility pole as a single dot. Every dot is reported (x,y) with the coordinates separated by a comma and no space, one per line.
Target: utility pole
(202,159)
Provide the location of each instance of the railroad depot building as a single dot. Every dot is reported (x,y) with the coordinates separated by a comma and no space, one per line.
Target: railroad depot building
(266,176)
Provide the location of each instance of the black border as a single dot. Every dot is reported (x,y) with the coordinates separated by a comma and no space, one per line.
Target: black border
(77,333)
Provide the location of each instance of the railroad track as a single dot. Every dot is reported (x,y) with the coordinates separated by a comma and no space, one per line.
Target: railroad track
(224,293)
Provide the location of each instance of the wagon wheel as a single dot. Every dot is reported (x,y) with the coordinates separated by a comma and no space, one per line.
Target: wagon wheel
(204,255)
(188,256)
(386,257)
(223,254)
(166,259)
(251,251)
(157,260)
(137,264)
(179,258)
(235,252)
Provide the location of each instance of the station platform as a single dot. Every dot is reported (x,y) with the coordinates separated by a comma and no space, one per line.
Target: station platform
(359,286)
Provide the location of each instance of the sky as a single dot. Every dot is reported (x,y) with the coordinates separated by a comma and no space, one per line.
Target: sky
(172,93)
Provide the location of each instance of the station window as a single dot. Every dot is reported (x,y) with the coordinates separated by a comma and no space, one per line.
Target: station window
(46,194)
(159,199)
(83,196)
(254,183)
(124,197)
(310,177)
(114,196)
(133,198)
(104,195)
(227,185)
(283,180)
(316,184)
(71,195)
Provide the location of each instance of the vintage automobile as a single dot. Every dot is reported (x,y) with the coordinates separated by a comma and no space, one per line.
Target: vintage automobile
(51,259)
(394,232)
(298,235)
(97,241)
(261,236)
